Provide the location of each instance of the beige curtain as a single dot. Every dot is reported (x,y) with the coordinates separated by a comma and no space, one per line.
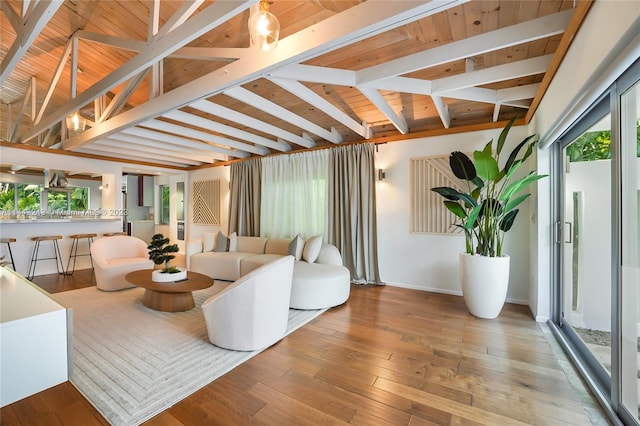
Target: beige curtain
(244,198)
(352,210)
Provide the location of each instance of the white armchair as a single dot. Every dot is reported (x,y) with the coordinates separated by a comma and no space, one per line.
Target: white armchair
(251,313)
(114,257)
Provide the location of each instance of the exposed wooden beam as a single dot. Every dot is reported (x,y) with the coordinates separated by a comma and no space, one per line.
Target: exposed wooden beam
(534,29)
(163,137)
(36,19)
(489,75)
(214,15)
(231,115)
(303,92)
(194,120)
(354,24)
(243,95)
(376,98)
(204,136)
(443,111)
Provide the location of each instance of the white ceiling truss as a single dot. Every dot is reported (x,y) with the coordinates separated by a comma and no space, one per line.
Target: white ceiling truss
(182,128)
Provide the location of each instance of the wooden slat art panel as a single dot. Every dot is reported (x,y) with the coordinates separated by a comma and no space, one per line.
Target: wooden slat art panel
(206,202)
(428,215)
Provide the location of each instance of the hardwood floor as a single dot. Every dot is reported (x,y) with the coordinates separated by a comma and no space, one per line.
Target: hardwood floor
(388,356)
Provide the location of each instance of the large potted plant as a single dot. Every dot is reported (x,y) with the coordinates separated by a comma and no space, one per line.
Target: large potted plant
(487,208)
(161,252)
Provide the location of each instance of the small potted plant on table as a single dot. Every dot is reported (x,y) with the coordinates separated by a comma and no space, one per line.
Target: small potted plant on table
(160,252)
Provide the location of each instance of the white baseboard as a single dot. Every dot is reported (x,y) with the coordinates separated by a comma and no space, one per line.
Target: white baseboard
(446,291)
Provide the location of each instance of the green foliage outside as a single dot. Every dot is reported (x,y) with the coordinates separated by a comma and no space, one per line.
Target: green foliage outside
(29,198)
(593,146)
(165,193)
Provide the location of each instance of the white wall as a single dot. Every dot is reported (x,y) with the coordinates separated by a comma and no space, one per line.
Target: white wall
(429,262)
(605,24)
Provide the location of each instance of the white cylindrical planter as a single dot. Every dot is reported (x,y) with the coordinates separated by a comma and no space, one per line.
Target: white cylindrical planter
(485,281)
(161,277)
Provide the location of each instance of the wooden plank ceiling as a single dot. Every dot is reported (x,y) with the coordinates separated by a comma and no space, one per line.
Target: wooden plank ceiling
(175,83)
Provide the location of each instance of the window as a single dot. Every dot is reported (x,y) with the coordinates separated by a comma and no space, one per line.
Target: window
(165,203)
(75,201)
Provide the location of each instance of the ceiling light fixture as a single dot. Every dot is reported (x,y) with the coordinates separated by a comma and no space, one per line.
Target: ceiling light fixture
(264,28)
(76,123)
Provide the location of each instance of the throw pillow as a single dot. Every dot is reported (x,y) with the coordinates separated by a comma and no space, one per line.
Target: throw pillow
(208,241)
(312,248)
(233,242)
(222,242)
(296,246)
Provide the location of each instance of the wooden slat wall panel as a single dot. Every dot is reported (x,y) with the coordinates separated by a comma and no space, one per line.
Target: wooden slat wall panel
(428,215)
(206,202)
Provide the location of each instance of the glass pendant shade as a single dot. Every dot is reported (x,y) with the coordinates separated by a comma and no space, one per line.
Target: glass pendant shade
(264,28)
(76,123)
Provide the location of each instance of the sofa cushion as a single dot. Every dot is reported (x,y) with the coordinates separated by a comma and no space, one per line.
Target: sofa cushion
(222,242)
(218,265)
(251,244)
(317,286)
(312,248)
(208,241)
(249,263)
(296,246)
(277,246)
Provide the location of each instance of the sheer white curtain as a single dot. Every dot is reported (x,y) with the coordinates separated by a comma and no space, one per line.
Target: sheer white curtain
(294,195)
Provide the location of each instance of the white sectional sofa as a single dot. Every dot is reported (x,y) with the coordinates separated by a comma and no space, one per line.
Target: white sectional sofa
(319,278)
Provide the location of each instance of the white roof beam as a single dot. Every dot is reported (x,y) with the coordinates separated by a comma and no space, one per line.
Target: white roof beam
(113,41)
(237,117)
(443,111)
(113,148)
(121,98)
(177,140)
(517,93)
(534,29)
(316,74)
(354,24)
(36,19)
(180,16)
(210,53)
(243,95)
(13,18)
(131,158)
(309,96)
(138,140)
(168,150)
(376,98)
(489,75)
(214,15)
(197,121)
(204,136)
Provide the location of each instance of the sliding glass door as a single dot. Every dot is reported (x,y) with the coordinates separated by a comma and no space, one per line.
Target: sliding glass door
(597,288)
(630,249)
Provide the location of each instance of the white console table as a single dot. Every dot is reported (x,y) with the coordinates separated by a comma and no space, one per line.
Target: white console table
(35,339)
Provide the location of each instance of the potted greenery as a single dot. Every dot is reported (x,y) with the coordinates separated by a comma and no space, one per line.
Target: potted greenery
(160,251)
(487,210)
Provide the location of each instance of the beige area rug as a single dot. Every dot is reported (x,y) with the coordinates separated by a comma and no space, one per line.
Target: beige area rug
(132,362)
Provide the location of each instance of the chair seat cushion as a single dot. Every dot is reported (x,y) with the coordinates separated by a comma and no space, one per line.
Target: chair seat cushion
(317,286)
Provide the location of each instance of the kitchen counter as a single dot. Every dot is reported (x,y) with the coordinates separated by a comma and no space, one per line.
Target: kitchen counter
(25,229)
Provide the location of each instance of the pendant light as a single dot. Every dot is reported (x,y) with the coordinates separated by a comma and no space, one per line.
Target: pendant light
(264,28)
(76,123)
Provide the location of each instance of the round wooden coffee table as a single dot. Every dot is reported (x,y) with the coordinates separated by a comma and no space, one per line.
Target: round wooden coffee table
(169,296)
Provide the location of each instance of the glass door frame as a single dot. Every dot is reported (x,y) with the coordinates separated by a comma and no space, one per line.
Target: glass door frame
(606,389)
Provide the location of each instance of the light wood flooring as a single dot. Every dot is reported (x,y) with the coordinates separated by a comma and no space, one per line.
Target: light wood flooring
(389,356)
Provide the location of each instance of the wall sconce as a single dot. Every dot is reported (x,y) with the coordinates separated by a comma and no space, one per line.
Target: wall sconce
(105,186)
(264,28)
(381,174)
(76,123)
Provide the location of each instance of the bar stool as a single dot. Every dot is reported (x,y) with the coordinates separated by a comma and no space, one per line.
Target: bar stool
(73,253)
(8,242)
(111,234)
(56,251)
